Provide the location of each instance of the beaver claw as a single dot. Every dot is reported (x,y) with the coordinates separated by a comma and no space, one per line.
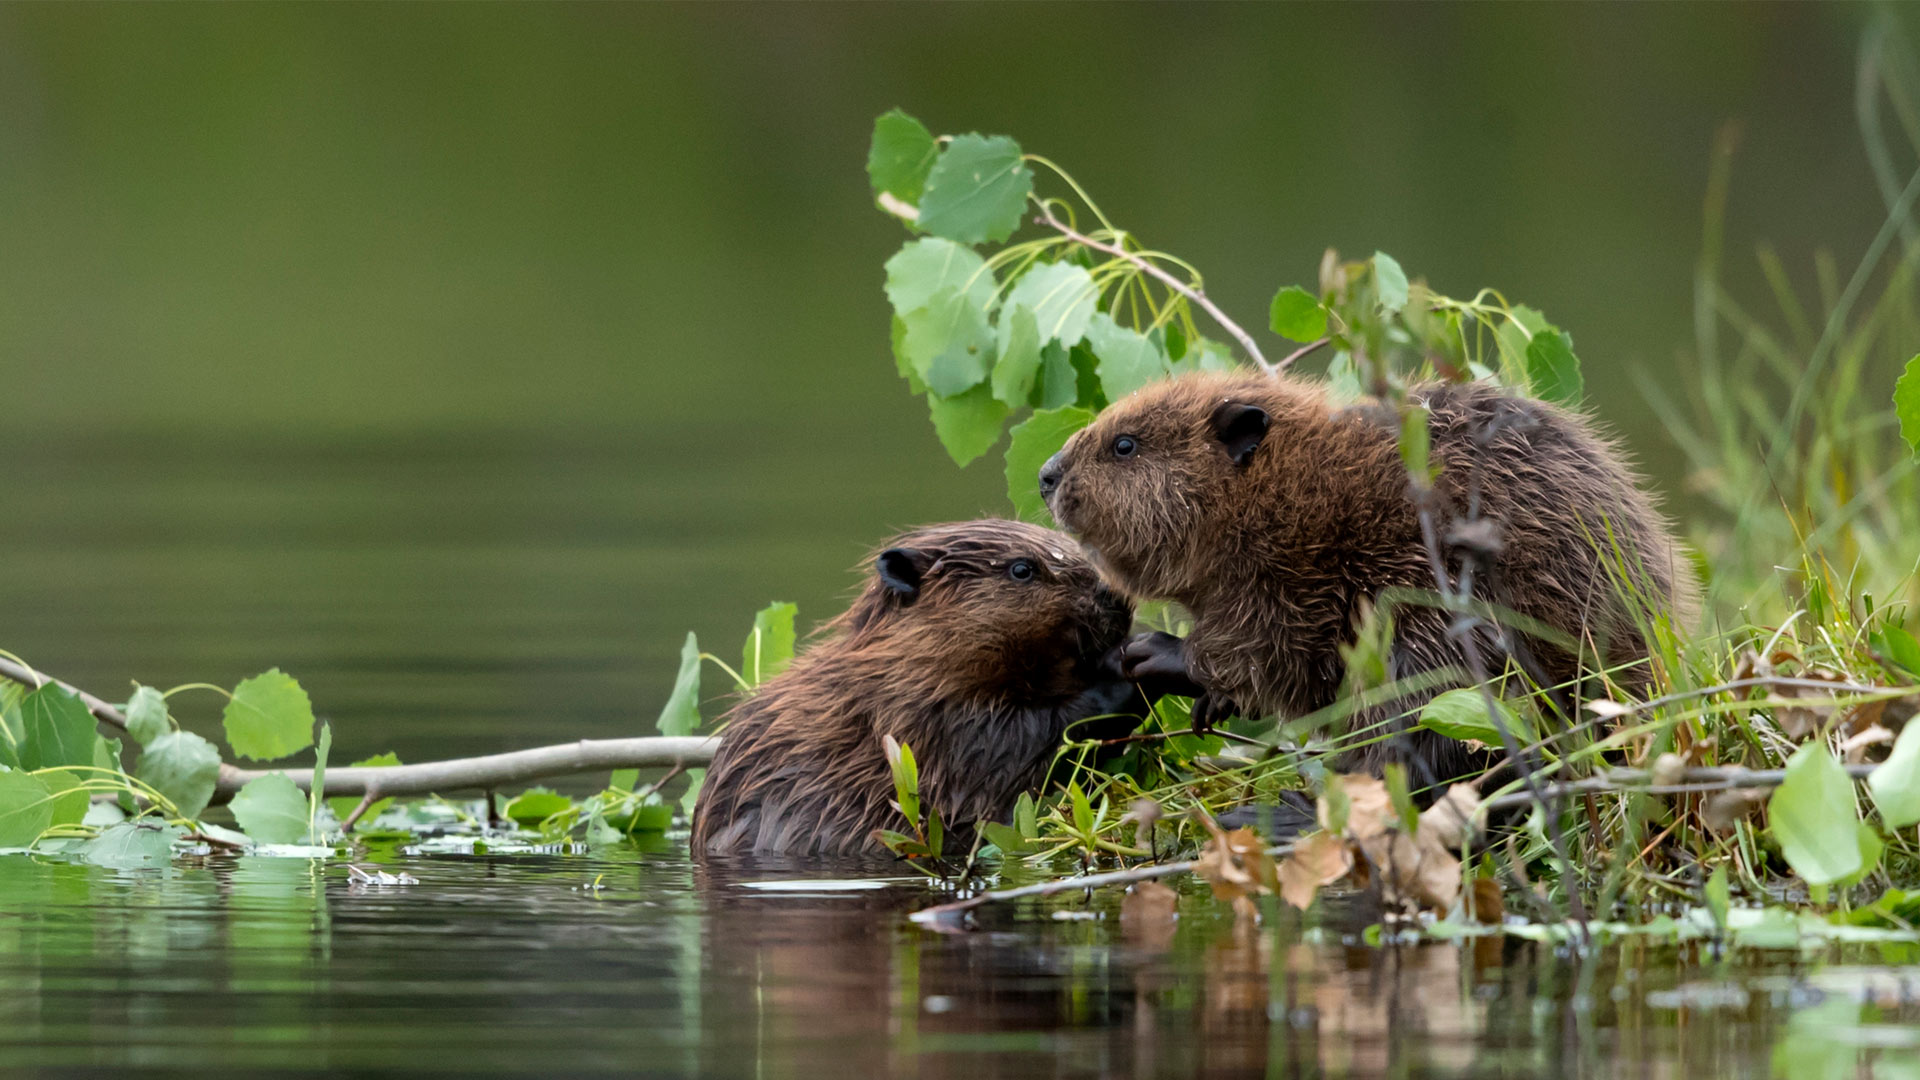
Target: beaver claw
(1158,663)
(1210,709)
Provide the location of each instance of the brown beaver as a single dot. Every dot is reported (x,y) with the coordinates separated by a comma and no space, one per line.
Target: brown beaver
(1275,517)
(977,644)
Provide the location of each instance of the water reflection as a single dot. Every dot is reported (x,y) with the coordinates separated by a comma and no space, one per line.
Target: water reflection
(519,966)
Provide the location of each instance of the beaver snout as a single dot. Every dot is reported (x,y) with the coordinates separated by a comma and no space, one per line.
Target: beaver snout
(1052,475)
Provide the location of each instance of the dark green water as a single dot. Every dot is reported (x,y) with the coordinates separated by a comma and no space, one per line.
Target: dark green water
(511,966)
(459,360)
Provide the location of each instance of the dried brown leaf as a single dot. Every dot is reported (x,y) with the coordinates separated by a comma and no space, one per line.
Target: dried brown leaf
(1723,810)
(1148,913)
(1370,808)
(1489,908)
(1236,863)
(1450,819)
(1319,858)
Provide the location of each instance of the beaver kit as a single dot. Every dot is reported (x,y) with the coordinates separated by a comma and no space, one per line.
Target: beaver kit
(978,644)
(1276,517)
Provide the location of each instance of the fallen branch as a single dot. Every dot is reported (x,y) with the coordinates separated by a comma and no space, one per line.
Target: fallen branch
(940,913)
(1699,778)
(518,766)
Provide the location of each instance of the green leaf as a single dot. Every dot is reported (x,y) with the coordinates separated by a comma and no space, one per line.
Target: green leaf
(927,265)
(1059,383)
(1339,805)
(651,816)
(695,778)
(58,730)
(623,779)
(1061,295)
(317,788)
(26,809)
(269,717)
(949,343)
(1402,798)
(902,152)
(1082,811)
(968,424)
(1019,360)
(1026,817)
(342,805)
(681,714)
(1871,848)
(535,805)
(1033,441)
(976,190)
(1389,281)
(901,361)
(1414,444)
(1895,783)
(133,845)
(769,646)
(272,810)
(70,796)
(147,715)
(1719,897)
(1906,404)
(1813,817)
(1128,361)
(1462,714)
(1553,372)
(1004,837)
(1298,314)
(182,766)
(1900,647)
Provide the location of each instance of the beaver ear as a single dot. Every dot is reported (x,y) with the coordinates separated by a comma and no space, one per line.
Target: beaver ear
(1240,429)
(901,569)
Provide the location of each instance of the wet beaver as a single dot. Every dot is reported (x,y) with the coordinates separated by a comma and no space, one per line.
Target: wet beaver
(977,644)
(1275,517)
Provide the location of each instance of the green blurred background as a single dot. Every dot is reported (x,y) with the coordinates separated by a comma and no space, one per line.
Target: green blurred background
(459,359)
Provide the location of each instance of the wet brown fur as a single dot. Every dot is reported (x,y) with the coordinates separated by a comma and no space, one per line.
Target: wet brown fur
(1276,558)
(980,674)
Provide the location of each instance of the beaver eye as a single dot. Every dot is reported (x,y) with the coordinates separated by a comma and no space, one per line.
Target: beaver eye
(1124,446)
(1020,570)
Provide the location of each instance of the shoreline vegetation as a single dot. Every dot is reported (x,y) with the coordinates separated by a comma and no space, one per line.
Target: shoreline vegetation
(1775,760)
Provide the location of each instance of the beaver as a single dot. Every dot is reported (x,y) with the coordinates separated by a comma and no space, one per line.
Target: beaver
(1277,517)
(977,644)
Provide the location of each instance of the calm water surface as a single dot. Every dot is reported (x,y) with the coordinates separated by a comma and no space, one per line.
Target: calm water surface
(514,966)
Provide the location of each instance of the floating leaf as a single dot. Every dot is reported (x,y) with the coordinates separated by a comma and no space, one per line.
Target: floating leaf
(1062,297)
(269,717)
(133,845)
(949,343)
(1128,361)
(1813,817)
(272,810)
(343,805)
(1389,281)
(147,715)
(1298,314)
(968,424)
(26,809)
(976,190)
(58,730)
(535,805)
(1553,372)
(681,714)
(902,152)
(1906,404)
(184,767)
(927,265)
(769,646)
(1462,714)
(1317,859)
(1019,360)
(1033,441)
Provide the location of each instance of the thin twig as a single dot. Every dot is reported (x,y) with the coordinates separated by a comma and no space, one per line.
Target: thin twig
(1170,281)
(354,818)
(103,712)
(1304,350)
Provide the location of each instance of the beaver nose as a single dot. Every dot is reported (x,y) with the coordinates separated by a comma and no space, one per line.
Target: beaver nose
(1051,472)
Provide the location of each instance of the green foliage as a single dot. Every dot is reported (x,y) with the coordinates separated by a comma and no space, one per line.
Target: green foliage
(1415,445)
(969,424)
(1128,360)
(343,805)
(769,646)
(1813,818)
(1462,714)
(26,809)
(133,845)
(183,767)
(269,716)
(1895,784)
(1297,314)
(976,190)
(1906,403)
(271,810)
(1390,282)
(681,714)
(147,717)
(1034,440)
(902,152)
(535,805)
(1552,371)
(58,730)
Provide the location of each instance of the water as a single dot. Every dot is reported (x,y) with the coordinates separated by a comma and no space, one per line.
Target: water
(517,966)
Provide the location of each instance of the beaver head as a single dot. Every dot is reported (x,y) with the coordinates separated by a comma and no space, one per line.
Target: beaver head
(1150,483)
(1008,609)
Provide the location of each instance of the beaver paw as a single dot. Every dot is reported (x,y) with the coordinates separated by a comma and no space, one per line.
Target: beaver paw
(1158,663)
(1210,709)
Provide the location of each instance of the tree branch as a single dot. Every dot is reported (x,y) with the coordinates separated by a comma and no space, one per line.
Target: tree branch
(1170,281)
